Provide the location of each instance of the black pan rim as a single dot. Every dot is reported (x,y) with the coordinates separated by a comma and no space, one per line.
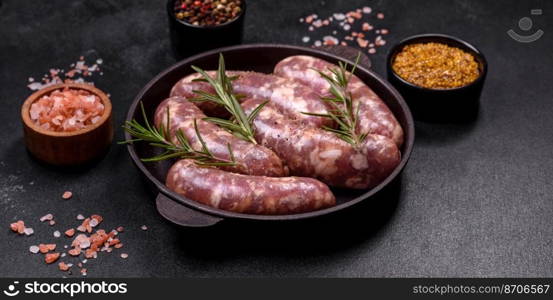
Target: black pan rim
(201,208)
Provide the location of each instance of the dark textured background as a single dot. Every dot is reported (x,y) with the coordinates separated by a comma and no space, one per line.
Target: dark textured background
(475,200)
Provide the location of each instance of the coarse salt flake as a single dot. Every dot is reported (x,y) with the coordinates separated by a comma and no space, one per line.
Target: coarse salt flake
(66,110)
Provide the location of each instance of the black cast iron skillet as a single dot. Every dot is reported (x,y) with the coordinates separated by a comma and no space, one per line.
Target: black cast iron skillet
(260,58)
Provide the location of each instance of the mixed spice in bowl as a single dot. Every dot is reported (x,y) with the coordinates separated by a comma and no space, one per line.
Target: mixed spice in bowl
(208,12)
(199,25)
(440,76)
(436,66)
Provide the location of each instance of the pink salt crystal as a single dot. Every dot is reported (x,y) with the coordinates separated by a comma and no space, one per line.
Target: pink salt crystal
(66,110)
(362,42)
(47,217)
(339,16)
(81,241)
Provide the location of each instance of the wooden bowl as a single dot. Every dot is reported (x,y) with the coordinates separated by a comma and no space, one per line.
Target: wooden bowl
(68,148)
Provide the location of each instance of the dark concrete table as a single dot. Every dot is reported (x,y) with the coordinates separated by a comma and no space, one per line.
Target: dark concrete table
(475,199)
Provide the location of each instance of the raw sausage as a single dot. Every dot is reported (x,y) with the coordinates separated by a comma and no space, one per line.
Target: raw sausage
(251,159)
(374,116)
(248,194)
(291,97)
(314,152)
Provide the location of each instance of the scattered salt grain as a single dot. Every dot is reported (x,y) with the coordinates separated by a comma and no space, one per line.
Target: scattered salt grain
(66,195)
(355,26)
(144,227)
(47,217)
(57,234)
(330,40)
(339,16)
(81,241)
(59,75)
(124,255)
(52,223)
(28,231)
(80,217)
(34,249)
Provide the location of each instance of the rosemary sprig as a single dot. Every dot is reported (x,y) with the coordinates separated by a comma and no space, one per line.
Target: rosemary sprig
(240,124)
(342,110)
(159,137)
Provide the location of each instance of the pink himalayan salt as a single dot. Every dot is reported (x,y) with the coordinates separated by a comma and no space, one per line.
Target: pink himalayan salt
(67,110)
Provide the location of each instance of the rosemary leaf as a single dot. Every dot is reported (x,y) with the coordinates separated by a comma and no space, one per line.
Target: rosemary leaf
(256,111)
(222,84)
(342,111)
(159,137)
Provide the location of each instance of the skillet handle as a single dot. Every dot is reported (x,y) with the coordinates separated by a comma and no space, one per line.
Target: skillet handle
(182,215)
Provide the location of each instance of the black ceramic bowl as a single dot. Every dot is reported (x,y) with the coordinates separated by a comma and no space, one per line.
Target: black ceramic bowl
(440,105)
(188,39)
(260,58)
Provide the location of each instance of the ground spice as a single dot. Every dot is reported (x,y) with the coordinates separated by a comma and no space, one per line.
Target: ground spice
(207,12)
(436,66)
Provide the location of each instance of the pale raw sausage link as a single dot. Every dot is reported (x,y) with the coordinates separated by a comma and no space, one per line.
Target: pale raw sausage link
(248,194)
(374,116)
(314,152)
(251,159)
(291,97)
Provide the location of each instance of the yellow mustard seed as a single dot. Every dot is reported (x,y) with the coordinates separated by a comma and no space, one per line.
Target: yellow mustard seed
(436,66)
